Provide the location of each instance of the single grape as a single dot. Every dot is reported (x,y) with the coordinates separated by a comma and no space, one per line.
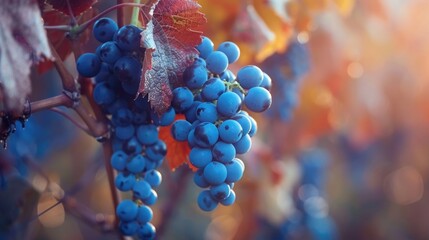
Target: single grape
(141,189)
(180,130)
(258,99)
(132,146)
(243,145)
(231,50)
(182,99)
(88,65)
(230,131)
(136,164)
(109,52)
(157,151)
(153,177)
(217,62)
(223,152)
(129,228)
(103,95)
(215,173)
(124,132)
(206,112)
(212,89)
(128,38)
(125,182)
(228,104)
(229,200)
(104,29)
(234,171)
(200,157)
(206,134)
(127,210)
(220,192)
(205,47)
(195,76)
(128,69)
(147,231)
(254,126)
(144,215)
(244,122)
(250,76)
(151,199)
(206,202)
(266,82)
(119,160)
(199,179)
(147,134)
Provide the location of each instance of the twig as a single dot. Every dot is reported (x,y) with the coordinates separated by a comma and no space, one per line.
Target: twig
(120,16)
(60,100)
(71,119)
(66,77)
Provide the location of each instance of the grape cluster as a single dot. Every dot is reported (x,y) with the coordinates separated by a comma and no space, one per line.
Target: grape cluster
(138,152)
(287,70)
(215,126)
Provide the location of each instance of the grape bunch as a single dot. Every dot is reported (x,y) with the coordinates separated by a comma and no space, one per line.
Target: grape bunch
(215,126)
(138,152)
(287,71)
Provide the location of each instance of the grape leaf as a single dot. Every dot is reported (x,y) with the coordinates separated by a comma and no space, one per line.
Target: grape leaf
(178,152)
(76,6)
(173,29)
(22,41)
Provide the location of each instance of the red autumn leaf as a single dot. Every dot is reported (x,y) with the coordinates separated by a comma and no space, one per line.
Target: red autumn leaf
(58,38)
(178,152)
(173,29)
(76,6)
(22,41)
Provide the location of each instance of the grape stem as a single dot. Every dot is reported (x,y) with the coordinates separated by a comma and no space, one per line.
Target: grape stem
(48,103)
(135,15)
(65,28)
(84,25)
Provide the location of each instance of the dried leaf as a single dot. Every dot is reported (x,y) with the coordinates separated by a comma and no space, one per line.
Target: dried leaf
(76,7)
(177,152)
(22,40)
(171,34)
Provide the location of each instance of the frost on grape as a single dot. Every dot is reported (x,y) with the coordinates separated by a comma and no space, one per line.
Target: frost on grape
(171,34)
(22,41)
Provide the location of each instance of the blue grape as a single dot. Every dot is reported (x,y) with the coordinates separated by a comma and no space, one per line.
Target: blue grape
(205,47)
(127,210)
(195,76)
(230,131)
(212,89)
(220,192)
(191,113)
(142,189)
(165,119)
(206,134)
(227,76)
(215,173)
(266,82)
(104,29)
(125,182)
(128,38)
(147,134)
(147,231)
(157,151)
(109,52)
(128,70)
(223,152)
(122,117)
(88,65)
(229,200)
(124,132)
(234,171)
(144,215)
(254,126)
(104,73)
(244,122)
(151,199)
(250,76)
(129,228)
(180,130)
(182,99)
(200,157)
(199,179)
(206,202)
(136,164)
(258,99)
(243,145)
(103,95)
(217,62)
(153,177)
(231,50)
(119,160)
(206,112)
(132,146)
(228,104)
